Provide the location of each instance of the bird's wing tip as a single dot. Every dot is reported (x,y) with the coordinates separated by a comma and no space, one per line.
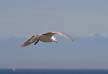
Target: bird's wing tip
(65,35)
(21,46)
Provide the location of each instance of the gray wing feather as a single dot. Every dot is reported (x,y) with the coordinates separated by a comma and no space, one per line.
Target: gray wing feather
(29,41)
(49,34)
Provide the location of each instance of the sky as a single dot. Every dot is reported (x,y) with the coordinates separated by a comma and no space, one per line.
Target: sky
(80,17)
(23,18)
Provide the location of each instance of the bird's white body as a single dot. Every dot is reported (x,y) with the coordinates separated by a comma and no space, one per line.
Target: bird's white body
(46,37)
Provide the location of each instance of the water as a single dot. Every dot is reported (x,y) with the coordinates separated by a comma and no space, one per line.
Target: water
(53,71)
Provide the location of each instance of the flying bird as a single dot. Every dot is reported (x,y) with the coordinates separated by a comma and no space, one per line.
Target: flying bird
(46,37)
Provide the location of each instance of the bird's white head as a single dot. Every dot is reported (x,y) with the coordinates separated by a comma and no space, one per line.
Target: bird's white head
(54,39)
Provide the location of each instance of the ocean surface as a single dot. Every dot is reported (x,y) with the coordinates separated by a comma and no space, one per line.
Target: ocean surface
(51,71)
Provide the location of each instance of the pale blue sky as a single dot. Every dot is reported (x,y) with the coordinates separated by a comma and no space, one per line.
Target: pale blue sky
(19,18)
(25,17)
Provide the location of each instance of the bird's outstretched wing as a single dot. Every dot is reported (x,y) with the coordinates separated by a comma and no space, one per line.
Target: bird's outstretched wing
(29,41)
(59,33)
(49,34)
(65,35)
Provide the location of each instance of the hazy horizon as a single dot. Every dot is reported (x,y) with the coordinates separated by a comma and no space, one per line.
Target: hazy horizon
(83,53)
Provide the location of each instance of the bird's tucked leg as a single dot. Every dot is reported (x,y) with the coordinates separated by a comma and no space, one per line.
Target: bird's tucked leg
(36,42)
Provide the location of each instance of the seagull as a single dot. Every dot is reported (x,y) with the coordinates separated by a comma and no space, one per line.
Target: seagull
(46,37)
